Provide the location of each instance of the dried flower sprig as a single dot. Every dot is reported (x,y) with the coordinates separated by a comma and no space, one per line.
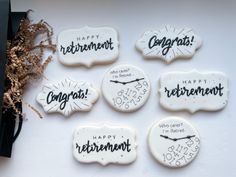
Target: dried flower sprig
(25,60)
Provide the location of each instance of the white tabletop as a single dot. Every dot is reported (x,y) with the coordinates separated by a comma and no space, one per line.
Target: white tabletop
(44,147)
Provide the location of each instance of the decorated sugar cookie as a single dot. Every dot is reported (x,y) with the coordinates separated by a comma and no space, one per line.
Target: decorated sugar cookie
(169,43)
(67,96)
(126,88)
(88,46)
(193,91)
(104,144)
(174,142)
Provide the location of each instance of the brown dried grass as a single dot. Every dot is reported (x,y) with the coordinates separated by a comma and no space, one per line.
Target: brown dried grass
(25,60)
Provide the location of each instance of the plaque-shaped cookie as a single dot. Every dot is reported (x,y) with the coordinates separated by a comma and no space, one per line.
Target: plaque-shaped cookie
(67,96)
(104,144)
(193,91)
(169,43)
(88,46)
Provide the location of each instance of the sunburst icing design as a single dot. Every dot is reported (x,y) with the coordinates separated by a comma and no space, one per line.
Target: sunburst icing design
(67,96)
(169,43)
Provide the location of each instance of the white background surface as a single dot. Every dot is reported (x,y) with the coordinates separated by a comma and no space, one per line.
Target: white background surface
(44,147)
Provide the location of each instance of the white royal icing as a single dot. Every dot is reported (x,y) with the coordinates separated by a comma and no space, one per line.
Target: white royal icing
(126,88)
(104,144)
(193,91)
(173,142)
(67,96)
(169,43)
(87,46)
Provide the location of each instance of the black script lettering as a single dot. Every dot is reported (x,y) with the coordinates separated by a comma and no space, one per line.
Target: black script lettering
(93,147)
(75,48)
(217,90)
(167,43)
(63,98)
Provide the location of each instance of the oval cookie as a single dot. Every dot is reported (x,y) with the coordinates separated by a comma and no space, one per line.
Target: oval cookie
(126,88)
(174,142)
